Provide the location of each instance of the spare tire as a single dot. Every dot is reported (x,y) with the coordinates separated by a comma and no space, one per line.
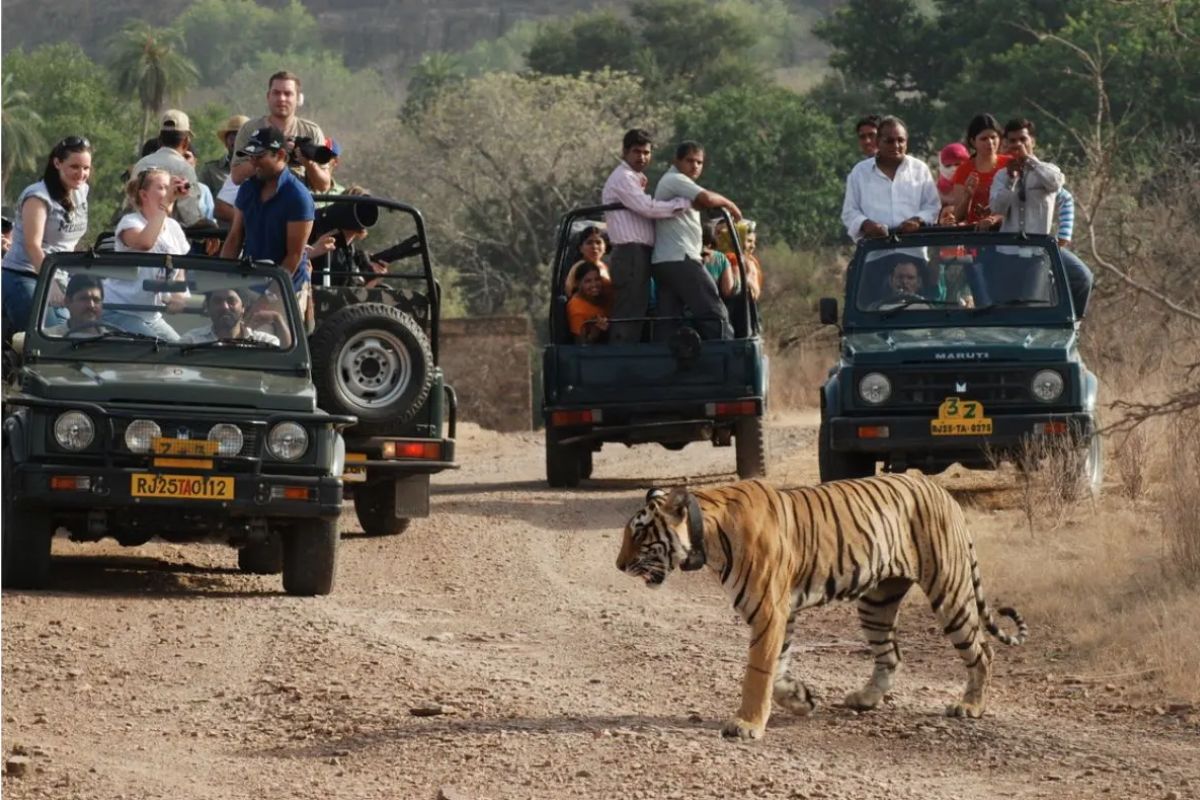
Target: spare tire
(372,361)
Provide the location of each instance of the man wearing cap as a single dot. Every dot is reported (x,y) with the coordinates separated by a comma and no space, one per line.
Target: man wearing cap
(174,138)
(213,173)
(284,98)
(273,213)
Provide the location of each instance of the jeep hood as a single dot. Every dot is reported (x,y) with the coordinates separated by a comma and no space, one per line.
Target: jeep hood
(957,345)
(172,384)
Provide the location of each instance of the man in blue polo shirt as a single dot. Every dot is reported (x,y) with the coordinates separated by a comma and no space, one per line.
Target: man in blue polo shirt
(273,213)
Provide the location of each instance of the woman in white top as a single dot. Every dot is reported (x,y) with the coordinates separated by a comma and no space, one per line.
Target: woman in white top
(148,229)
(52,216)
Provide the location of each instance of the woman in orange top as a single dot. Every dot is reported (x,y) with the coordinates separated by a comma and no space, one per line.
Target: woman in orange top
(589,308)
(592,246)
(973,178)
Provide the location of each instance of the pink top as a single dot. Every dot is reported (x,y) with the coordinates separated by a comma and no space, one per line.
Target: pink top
(635,226)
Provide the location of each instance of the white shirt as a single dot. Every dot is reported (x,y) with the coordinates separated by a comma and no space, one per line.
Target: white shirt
(871,195)
(207,334)
(229,191)
(171,239)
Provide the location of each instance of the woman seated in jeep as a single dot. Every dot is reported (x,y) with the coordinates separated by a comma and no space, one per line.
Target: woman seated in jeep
(590,307)
(592,247)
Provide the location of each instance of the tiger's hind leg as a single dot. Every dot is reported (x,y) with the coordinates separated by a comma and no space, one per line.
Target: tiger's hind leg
(962,625)
(788,692)
(877,612)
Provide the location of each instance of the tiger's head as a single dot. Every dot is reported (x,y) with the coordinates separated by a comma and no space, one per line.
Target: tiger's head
(663,535)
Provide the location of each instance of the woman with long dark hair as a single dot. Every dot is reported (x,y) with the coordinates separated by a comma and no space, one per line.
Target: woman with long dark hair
(51,217)
(973,178)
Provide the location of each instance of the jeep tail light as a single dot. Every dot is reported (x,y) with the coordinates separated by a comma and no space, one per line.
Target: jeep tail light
(1051,428)
(585,417)
(428,450)
(71,483)
(874,432)
(742,408)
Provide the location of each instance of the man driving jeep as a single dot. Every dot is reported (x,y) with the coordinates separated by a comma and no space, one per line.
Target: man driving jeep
(226,310)
(85,304)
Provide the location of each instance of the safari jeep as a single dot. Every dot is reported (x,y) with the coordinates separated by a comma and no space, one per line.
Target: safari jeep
(375,356)
(974,365)
(146,406)
(671,393)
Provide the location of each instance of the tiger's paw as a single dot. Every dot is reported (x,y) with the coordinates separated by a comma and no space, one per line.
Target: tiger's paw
(864,699)
(965,709)
(740,729)
(795,697)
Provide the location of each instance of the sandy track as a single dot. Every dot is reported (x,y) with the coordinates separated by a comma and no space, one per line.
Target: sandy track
(162,672)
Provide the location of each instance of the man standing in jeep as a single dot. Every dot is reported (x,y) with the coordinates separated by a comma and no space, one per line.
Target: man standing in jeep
(631,233)
(284,98)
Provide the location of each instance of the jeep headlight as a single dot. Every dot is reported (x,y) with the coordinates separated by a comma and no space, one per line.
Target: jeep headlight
(140,435)
(74,431)
(1047,385)
(228,438)
(875,388)
(287,441)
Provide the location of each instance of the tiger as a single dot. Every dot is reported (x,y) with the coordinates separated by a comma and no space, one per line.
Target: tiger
(778,551)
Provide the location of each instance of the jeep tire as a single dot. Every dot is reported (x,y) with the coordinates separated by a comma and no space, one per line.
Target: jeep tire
(375,505)
(310,557)
(373,361)
(751,447)
(27,533)
(835,466)
(262,558)
(564,464)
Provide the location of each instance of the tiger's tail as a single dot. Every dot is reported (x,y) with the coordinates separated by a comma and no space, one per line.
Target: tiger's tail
(985,609)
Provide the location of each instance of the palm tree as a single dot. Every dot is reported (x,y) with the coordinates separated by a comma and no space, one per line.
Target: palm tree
(149,63)
(24,144)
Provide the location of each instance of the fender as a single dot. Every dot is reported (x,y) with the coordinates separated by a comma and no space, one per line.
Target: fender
(1091,391)
(16,436)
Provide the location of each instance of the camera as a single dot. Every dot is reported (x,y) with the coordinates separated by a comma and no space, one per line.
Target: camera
(307,147)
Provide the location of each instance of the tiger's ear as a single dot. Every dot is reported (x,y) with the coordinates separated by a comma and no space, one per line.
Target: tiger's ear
(676,503)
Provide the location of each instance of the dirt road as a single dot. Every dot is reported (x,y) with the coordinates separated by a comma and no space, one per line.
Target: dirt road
(493,651)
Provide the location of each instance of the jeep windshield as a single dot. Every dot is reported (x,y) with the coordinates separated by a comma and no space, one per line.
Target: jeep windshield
(958,280)
(172,306)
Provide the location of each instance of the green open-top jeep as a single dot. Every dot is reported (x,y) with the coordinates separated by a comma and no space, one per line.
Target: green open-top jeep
(668,392)
(171,397)
(955,347)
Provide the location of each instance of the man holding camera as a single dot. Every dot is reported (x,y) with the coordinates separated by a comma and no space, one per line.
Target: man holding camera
(175,138)
(284,97)
(273,213)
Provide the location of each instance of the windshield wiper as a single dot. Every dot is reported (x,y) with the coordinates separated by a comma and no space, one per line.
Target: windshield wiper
(1015,303)
(891,310)
(119,334)
(228,341)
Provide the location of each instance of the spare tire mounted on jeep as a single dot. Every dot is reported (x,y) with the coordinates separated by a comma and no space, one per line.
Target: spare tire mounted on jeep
(373,361)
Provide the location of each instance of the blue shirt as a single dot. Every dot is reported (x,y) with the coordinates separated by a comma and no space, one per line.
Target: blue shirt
(266,223)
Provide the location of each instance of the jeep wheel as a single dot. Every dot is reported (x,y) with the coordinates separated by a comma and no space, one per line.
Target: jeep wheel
(751,448)
(585,464)
(262,558)
(373,361)
(310,557)
(375,505)
(564,464)
(27,534)
(835,466)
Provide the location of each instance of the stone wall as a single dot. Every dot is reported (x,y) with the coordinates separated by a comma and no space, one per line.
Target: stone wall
(488,361)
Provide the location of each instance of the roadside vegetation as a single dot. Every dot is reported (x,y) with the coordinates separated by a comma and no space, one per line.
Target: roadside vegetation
(494,143)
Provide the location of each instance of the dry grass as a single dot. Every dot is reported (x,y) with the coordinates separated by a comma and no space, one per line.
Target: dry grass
(1181,499)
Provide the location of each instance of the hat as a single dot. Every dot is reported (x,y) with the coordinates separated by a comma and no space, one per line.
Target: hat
(263,140)
(175,120)
(232,125)
(333,146)
(953,152)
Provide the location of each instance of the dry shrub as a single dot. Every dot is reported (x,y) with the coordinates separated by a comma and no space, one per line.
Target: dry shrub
(798,372)
(1049,472)
(1181,499)
(1132,463)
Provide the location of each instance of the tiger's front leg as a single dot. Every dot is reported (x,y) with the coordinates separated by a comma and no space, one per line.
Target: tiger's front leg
(759,681)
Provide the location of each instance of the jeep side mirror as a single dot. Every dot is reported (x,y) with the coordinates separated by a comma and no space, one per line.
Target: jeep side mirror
(828,310)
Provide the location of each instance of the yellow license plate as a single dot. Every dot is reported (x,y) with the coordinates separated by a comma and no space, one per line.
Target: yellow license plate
(957,417)
(183,487)
(163,446)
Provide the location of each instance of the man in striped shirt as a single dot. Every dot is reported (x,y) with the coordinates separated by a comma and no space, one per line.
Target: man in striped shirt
(631,233)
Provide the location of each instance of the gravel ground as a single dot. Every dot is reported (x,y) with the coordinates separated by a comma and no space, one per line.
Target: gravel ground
(494,651)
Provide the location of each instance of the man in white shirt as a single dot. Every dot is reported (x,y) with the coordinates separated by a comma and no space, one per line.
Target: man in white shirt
(631,233)
(226,310)
(677,260)
(891,192)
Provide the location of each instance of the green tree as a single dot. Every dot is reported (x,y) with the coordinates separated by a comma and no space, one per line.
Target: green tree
(74,96)
(24,144)
(776,155)
(584,43)
(222,36)
(149,63)
(435,73)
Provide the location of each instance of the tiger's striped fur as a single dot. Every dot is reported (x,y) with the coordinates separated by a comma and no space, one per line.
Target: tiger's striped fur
(777,551)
